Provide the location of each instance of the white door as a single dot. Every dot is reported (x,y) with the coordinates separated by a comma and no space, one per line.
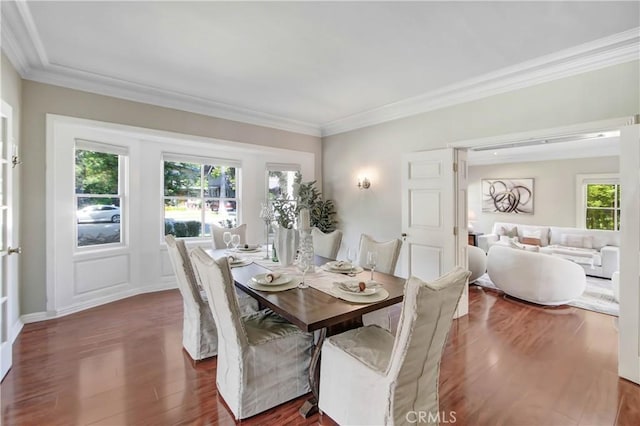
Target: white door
(629,321)
(434,214)
(8,263)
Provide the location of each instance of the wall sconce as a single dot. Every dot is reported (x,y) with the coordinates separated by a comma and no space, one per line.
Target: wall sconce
(364,183)
(15,160)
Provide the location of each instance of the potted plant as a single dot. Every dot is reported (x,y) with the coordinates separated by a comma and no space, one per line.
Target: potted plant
(286,238)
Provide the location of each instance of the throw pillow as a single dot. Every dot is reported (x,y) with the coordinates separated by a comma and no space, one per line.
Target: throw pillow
(587,242)
(531,241)
(513,232)
(532,234)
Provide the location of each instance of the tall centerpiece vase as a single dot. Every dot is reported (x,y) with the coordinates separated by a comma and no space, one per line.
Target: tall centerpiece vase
(286,245)
(305,250)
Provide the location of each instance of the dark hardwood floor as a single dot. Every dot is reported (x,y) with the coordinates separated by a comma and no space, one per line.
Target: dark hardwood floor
(506,363)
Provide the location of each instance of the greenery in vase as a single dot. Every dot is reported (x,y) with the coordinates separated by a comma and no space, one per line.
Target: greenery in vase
(322,212)
(285,211)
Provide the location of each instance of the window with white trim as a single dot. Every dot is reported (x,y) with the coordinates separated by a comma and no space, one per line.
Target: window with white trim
(600,206)
(199,192)
(280,180)
(99,183)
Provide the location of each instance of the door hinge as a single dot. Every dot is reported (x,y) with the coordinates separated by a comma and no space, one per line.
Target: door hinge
(455,230)
(455,167)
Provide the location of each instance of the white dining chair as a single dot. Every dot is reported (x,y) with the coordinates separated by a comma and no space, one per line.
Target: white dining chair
(263,360)
(217,233)
(199,336)
(387,259)
(326,245)
(389,377)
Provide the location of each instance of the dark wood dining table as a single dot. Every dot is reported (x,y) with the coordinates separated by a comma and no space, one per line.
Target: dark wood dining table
(314,310)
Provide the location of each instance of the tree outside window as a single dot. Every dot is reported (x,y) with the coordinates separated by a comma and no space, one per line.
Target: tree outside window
(197,196)
(98,197)
(602,206)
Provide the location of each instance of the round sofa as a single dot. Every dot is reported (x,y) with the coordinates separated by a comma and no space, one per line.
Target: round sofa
(477,262)
(535,277)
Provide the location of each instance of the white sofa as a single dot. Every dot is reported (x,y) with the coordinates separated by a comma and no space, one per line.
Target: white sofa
(535,277)
(597,251)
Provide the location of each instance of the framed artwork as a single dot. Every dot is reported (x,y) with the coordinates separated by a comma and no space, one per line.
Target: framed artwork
(507,196)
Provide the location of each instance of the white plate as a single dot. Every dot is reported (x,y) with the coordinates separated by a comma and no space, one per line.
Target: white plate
(379,296)
(356,269)
(366,292)
(260,279)
(273,288)
(251,249)
(340,265)
(240,262)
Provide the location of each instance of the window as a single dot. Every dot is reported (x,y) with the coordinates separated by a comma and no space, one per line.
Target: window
(600,208)
(197,194)
(280,179)
(99,171)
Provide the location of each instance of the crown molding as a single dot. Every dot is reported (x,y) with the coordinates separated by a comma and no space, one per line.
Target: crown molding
(24,48)
(616,49)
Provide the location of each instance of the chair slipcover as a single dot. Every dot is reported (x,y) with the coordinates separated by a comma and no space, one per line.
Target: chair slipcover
(263,360)
(326,245)
(199,337)
(217,232)
(388,253)
(390,377)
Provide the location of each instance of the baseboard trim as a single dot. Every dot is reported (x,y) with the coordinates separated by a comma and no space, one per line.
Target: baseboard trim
(44,316)
(16,329)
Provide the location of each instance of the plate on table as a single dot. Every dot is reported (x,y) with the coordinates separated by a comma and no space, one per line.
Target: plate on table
(340,265)
(248,248)
(352,287)
(356,269)
(239,262)
(378,296)
(273,288)
(279,280)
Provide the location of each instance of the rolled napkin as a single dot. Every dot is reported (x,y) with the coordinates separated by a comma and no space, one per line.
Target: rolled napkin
(232,259)
(272,276)
(355,286)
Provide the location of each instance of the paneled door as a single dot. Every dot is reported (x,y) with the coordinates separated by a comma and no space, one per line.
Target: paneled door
(8,263)
(434,214)
(629,320)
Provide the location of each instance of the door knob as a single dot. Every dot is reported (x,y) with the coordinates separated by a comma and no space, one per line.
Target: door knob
(404,236)
(16,250)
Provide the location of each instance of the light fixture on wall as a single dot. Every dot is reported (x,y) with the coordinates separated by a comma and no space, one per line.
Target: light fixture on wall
(15,160)
(364,183)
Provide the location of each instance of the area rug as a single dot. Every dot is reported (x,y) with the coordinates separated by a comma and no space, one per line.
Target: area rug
(597,297)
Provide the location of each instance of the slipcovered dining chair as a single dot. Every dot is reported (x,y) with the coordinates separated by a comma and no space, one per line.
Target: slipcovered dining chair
(326,245)
(388,253)
(199,336)
(263,360)
(217,232)
(392,376)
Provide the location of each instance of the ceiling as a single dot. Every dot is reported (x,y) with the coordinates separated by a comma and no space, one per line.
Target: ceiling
(313,67)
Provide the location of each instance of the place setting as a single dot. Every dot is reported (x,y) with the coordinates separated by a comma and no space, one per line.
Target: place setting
(273,282)
(237,261)
(346,267)
(359,291)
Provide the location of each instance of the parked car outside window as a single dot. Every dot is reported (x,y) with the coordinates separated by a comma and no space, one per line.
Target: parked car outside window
(99,213)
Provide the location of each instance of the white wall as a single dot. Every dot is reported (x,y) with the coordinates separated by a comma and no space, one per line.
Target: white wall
(598,95)
(39,99)
(554,189)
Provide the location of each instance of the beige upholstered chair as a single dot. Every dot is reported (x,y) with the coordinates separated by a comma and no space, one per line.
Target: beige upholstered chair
(388,253)
(218,231)
(389,376)
(326,245)
(263,360)
(199,337)
(387,259)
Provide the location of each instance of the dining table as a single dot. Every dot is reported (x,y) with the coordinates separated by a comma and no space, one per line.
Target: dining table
(311,309)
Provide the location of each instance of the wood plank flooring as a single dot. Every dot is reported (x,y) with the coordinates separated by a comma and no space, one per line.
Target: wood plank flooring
(506,363)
